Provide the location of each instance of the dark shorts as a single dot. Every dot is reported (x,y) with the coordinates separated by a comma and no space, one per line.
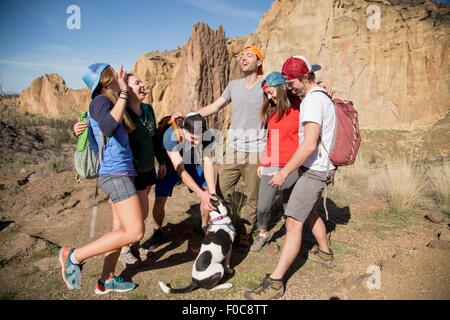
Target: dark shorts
(145,180)
(164,186)
(118,188)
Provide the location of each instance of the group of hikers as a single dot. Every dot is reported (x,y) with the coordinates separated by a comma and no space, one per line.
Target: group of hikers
(281,128)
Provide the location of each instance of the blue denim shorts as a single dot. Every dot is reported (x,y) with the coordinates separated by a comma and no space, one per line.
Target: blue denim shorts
(118,188)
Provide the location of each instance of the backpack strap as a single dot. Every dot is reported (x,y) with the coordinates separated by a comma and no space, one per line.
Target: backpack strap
(325,191)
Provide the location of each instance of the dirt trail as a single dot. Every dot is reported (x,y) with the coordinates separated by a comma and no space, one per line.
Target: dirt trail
(51,209)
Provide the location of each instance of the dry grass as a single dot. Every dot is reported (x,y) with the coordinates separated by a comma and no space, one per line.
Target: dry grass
(349,181)
(359,169)
(440,181)
(401,184)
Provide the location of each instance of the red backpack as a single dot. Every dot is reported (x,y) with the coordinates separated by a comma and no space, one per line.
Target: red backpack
(347,138)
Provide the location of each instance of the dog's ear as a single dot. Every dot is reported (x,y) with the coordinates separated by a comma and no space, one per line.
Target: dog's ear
(215,203)
(227,203)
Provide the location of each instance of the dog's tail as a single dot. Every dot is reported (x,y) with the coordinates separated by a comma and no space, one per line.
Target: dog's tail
(168,289)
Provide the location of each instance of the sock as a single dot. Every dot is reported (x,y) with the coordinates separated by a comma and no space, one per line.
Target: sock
(72,258)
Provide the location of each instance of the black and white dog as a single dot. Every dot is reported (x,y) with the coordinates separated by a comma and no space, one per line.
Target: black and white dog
(213,260)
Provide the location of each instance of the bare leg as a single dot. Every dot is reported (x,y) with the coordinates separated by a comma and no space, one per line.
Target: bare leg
(291,248)
(110,262)
(143,199)
(319,231)
(159,211)
(131,230)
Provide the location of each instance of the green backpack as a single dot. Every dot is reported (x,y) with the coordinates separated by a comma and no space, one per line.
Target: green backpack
(86,158)
(87,163)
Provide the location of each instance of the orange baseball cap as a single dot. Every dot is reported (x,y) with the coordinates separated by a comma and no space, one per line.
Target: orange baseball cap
(257,53)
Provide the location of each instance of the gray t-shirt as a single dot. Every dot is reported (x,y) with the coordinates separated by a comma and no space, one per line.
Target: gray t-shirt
(247,134)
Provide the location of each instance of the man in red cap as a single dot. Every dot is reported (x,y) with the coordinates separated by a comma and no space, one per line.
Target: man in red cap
(246,138)
(316,133)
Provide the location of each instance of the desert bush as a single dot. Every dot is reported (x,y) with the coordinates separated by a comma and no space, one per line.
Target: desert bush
(349,181)
(440,181)
(56,166)
(358,171)
(401,184)
(61,136)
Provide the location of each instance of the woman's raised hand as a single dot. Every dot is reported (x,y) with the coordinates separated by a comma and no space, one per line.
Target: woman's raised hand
(122,78)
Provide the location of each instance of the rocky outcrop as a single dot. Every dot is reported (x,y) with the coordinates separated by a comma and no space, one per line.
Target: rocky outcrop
(48,95)
(398,76)
(189,77)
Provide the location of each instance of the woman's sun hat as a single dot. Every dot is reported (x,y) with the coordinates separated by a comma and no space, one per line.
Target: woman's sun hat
(92,76)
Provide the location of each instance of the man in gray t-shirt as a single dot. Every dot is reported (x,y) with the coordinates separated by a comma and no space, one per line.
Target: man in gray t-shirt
(246,139)
(246,134)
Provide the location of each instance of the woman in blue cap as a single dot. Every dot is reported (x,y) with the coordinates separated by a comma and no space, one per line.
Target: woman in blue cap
(146,146)
(110,124)
(280,112)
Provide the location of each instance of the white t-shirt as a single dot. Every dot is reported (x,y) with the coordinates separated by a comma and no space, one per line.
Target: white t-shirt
(317,107)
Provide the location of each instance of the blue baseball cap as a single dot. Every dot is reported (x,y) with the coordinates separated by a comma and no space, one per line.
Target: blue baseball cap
(92,76)
(274,79)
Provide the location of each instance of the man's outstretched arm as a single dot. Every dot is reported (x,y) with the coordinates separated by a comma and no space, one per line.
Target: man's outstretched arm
(213,107)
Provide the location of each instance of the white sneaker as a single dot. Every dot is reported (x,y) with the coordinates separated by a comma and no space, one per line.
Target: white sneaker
(126,257)
(260,241)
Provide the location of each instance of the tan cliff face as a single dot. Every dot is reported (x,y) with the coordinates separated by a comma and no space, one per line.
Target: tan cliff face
(49,95)
(189,77)
(398,76)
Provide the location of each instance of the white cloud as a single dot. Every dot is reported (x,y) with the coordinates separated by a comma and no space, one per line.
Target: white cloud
(223,8)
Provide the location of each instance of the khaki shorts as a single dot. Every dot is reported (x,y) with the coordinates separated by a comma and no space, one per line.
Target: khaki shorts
(307,192)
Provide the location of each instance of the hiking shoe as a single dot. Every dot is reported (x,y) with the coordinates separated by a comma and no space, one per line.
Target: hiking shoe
(127,258)
(71,272)
(260,241)
(115,284)
(155,240)
(324,258)
(268,289)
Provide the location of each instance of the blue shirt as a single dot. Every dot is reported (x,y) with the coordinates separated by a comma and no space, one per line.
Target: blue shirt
(117,157)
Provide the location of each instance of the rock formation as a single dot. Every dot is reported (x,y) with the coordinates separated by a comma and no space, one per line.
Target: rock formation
(49,95)
(398,76)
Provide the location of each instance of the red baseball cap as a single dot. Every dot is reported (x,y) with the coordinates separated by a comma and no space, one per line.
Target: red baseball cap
(297,66)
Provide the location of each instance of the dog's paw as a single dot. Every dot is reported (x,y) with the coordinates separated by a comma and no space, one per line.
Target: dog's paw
(229,271)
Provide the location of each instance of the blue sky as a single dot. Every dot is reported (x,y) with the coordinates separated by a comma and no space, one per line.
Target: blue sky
(35,40)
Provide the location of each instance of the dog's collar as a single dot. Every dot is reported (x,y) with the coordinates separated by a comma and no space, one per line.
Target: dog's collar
(221,217)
